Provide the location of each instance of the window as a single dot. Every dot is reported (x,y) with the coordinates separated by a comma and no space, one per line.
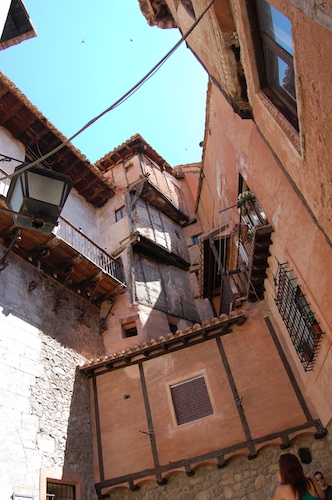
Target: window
(172,327)
(278,80)
(195,239)
(129,331)
(120,213)
(191,400)
(300,321)
(58,491)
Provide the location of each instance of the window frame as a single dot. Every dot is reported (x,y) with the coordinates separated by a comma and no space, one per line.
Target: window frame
(130,327)
(66,478)
(120,213)
(60,483)
(262,43)
(183,418)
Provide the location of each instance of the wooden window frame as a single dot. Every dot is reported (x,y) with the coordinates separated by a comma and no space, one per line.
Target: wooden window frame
(262,43)
(120,213)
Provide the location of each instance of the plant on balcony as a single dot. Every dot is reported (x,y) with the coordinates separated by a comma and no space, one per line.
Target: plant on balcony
(236,231)
(246,196)
(311,322)
(304,349)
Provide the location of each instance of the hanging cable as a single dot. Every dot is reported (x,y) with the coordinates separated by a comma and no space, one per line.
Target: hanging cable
(117,103)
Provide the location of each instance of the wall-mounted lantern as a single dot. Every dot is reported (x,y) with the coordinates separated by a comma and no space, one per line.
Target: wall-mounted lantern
(37,196)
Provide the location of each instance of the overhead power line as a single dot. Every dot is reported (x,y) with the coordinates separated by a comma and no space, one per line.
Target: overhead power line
(117,103)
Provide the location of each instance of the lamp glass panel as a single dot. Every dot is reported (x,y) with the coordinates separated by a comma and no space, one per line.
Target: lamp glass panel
(17,197)
(44,188)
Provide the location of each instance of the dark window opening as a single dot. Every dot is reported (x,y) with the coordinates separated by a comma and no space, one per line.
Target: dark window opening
(302,326)
(129,331)
(172,327)
(195,239)
(191,400)
(120,213)
(58,491)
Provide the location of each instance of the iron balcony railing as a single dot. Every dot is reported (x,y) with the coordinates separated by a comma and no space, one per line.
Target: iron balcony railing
(86,247)
(251,217)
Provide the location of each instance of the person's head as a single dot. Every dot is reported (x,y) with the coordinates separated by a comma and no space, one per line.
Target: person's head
(319,477)
(291,472)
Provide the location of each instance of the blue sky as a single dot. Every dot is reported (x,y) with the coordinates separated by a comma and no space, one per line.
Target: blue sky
(87,55)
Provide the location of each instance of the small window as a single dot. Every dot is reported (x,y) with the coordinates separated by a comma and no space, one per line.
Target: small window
(173,327)
(195,239)
(59,491)
(129,331)
(276,37)
(191,400)
(120,213)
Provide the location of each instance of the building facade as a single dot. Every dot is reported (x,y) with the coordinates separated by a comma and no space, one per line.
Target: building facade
(172,335)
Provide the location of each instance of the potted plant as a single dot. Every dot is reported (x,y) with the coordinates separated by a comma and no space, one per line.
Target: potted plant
(312,323)
(246,198)
(305,351)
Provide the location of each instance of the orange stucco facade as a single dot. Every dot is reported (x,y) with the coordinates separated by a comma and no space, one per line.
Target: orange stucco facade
(263,384)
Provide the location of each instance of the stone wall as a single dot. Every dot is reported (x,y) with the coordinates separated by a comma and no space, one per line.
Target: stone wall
(241,479)
(44,403)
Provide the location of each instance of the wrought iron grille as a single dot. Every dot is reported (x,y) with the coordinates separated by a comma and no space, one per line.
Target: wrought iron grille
(300,321)
(58,491)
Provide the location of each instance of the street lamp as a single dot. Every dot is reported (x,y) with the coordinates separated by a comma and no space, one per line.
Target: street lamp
(37,197)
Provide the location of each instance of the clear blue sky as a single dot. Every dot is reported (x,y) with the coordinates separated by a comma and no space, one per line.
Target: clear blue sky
(87,55)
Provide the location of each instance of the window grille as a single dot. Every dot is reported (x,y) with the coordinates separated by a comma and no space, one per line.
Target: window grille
(59,491)
(300,321)
(191,400)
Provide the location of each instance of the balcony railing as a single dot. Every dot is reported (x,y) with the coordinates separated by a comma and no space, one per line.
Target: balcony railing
(87,248)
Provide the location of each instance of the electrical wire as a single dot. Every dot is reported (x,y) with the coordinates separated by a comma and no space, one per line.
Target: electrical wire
(117,103)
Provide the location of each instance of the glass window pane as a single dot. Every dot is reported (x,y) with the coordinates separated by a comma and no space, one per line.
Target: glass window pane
(276,26)
(280,74)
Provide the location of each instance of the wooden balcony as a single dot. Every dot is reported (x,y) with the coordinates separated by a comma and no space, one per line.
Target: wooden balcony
(67,255)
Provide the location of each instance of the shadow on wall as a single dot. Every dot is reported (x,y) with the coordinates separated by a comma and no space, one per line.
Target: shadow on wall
(74,324)
(78,452)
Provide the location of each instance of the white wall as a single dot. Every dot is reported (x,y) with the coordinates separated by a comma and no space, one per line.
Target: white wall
(12,148)
(4,9)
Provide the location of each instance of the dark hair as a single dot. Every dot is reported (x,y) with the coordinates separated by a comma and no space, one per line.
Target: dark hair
(291,472)
(318,472)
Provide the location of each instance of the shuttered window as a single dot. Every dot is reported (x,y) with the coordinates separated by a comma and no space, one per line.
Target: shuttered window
(191,400)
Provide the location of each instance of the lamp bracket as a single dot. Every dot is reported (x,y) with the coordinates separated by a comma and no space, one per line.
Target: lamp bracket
(59,300)
(103,321)
(14,235)
(39,254)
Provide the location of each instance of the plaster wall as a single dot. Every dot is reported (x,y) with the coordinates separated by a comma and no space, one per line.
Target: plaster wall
(82,214)
(297,237)
(4,9)
(305,157)
(207,40)
(113,234)
(268,402)
(44,405)
(12,148)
